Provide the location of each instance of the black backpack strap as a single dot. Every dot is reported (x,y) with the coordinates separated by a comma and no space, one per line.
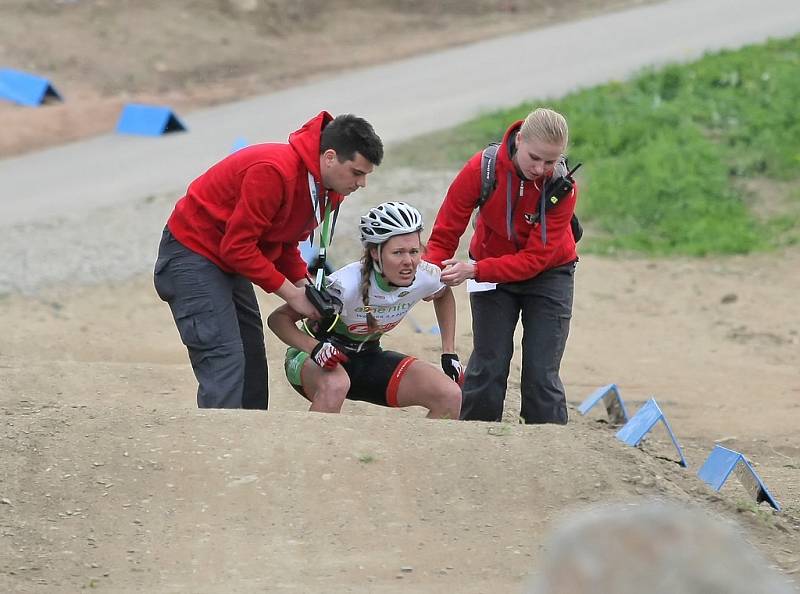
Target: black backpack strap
(488,176)
(558,187)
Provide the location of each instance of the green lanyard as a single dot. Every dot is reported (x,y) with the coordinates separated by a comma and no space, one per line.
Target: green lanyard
(319,283)
(324,242)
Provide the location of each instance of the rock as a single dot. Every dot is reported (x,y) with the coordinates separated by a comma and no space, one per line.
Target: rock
(244,5)
(726,439)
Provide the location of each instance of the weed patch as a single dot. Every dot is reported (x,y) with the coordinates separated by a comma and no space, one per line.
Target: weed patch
(672,156)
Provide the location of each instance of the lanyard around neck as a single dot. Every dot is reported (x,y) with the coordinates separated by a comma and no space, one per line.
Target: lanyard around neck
(328,221)
(324,242)
(313,192)
(318,209)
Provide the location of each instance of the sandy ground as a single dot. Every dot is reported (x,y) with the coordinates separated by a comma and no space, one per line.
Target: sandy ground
(110,478)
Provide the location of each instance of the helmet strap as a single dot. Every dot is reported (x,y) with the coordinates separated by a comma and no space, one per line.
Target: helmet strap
(378,264)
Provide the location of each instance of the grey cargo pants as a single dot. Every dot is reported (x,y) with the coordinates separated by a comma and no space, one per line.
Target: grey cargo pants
(545,303)
(220,324)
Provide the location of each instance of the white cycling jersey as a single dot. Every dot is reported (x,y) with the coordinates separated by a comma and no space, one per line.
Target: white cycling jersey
(388,304)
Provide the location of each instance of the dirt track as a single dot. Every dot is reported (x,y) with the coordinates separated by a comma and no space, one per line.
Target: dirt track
(110,478)
(111,465)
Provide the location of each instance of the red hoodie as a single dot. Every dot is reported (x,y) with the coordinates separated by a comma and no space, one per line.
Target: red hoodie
(248,212)
(501,258)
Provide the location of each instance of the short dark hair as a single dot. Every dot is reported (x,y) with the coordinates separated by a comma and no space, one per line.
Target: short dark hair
(348,134)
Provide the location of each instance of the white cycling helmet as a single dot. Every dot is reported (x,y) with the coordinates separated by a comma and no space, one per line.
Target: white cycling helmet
(387,220)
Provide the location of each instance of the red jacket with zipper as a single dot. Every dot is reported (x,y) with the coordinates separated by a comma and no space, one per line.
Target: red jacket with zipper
(248,212)
(499,257)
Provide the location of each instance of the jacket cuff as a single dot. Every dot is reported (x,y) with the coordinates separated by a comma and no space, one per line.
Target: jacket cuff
(477,272)
(272,283)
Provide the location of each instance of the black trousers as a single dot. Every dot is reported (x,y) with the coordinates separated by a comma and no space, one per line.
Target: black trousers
(545,303)
(220,324)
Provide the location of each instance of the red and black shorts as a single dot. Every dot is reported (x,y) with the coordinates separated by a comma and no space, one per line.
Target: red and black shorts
(374,374)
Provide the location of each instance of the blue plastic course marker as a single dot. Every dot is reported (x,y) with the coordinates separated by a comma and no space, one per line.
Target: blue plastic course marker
(719,465)
(239,143)
(24,88)
(642,422)
(615,407)
(415,324)
(148,120)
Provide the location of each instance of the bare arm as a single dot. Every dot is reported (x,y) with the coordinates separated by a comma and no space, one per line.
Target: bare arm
(456,272)
(295,297)
(283,322)
(445,306)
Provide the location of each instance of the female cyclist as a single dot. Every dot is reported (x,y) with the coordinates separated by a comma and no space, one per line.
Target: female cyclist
(334,361)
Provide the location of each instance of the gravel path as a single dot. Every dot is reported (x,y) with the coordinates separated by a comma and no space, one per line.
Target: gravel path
(402,99)
(117,242)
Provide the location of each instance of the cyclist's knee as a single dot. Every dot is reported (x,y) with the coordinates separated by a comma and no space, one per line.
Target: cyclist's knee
(331,390)
(451,400)
(443,399)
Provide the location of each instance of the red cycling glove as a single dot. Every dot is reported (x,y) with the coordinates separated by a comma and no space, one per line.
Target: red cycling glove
(327,356)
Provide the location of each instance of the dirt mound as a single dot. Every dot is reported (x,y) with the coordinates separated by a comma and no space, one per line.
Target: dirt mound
(108,468)
(111,478)
(135,497)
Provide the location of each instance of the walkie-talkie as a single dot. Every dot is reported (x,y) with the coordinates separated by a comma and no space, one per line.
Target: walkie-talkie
(556,189)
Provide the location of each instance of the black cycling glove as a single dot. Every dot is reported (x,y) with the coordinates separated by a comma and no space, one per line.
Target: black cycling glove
(452,368)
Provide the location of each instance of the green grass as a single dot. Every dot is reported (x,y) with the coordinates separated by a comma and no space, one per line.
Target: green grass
(667,154)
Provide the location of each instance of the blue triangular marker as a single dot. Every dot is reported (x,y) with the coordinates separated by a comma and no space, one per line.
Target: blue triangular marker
(239,143)
(615,407)
(148,120)
(642,422)
(415,324)
(24,88)
(719,465)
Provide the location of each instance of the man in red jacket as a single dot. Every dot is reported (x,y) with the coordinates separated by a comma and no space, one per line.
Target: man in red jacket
(240,223)
(522,260)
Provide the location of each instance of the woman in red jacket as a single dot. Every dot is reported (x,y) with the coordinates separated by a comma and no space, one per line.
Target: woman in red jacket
(522,261)
(240,223)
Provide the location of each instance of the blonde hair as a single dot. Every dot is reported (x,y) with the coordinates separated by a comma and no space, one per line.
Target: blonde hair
(366,271)
(546,125)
